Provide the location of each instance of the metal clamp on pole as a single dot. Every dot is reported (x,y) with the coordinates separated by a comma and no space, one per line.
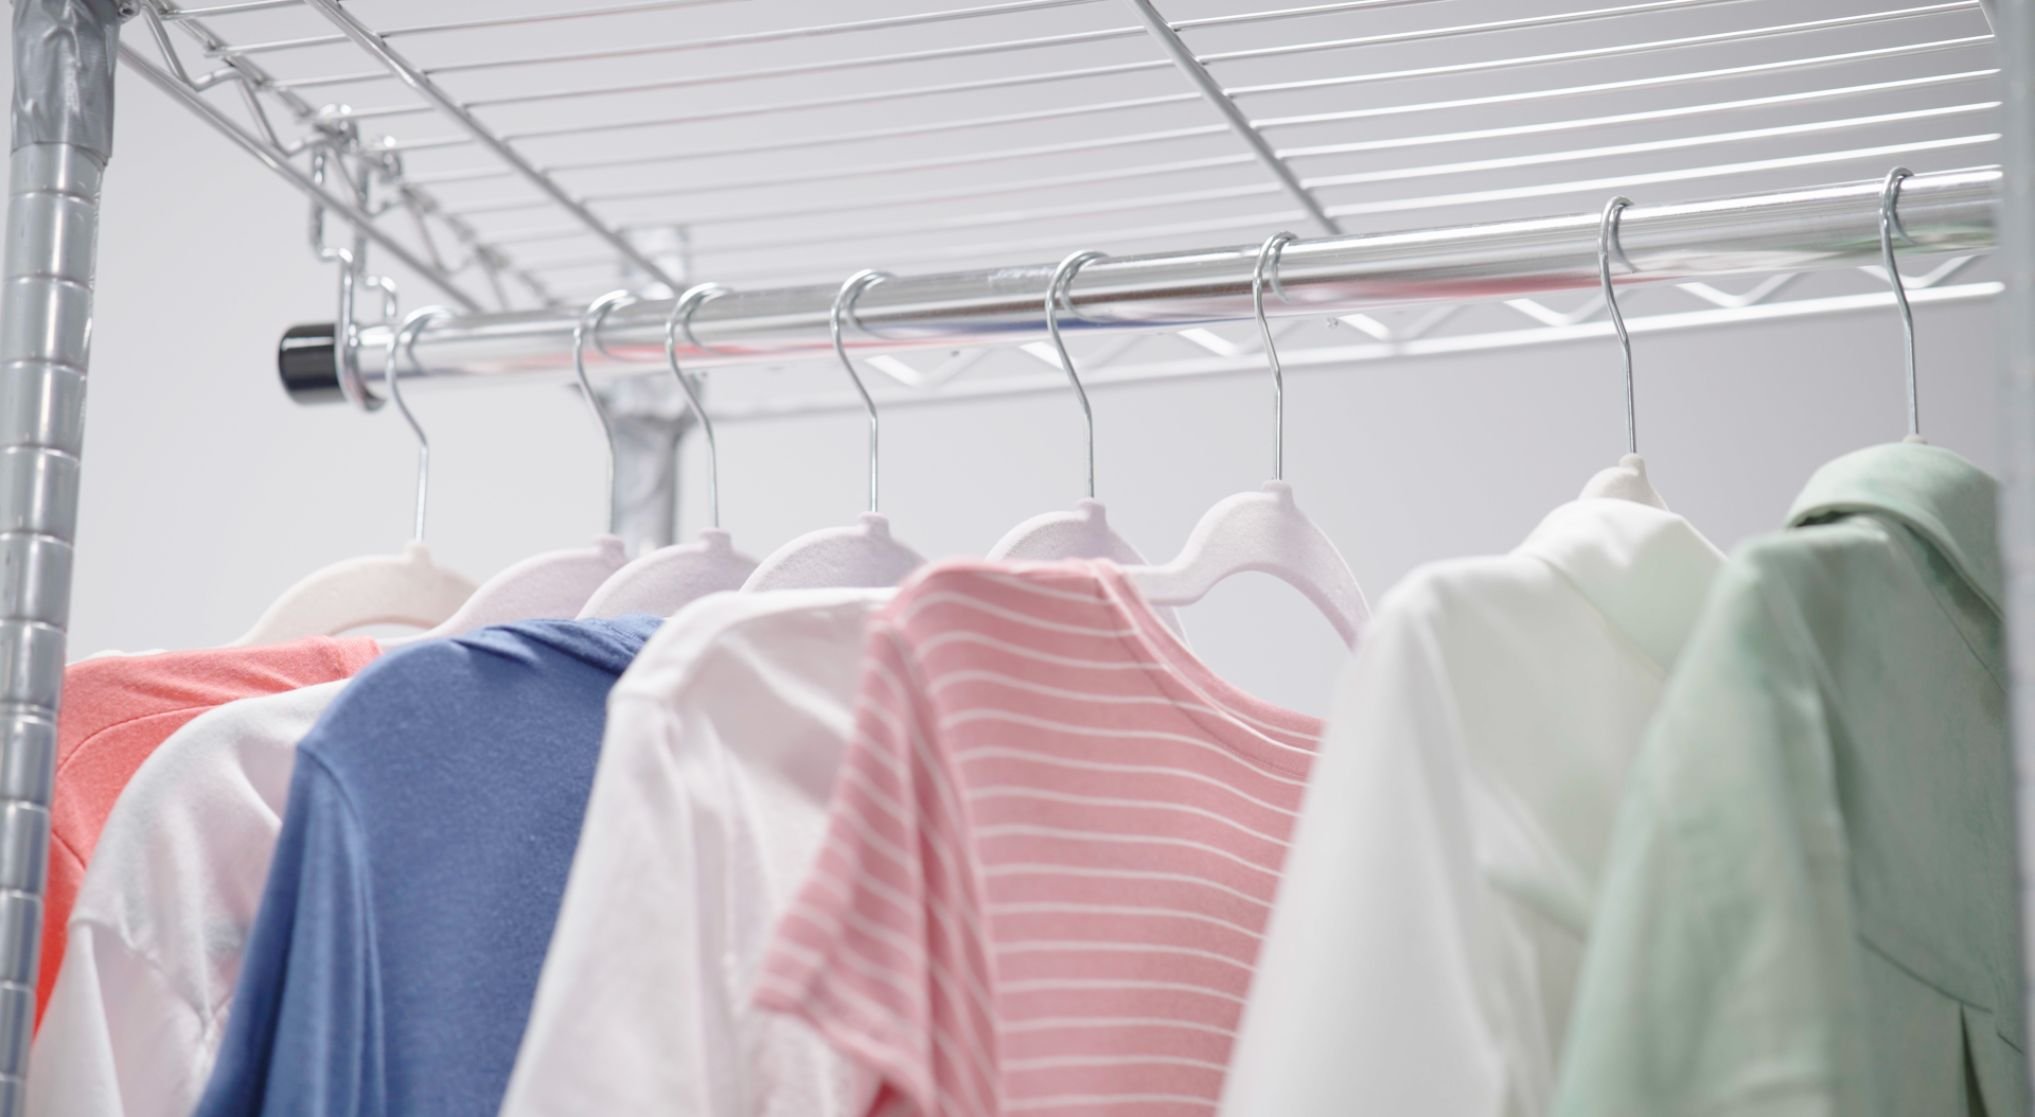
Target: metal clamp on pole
(63,135)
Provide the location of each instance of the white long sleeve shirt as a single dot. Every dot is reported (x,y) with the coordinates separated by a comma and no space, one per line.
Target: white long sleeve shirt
(161,920)
(1433,913)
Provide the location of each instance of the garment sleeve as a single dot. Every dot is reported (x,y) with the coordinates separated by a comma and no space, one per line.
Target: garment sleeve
(630,1016)
(1721,964)
(880,949)
(303,1038)
(94,772)
(1378,990)
(116,1040)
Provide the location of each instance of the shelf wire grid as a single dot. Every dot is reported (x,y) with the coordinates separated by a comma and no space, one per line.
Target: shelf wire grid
(560,150)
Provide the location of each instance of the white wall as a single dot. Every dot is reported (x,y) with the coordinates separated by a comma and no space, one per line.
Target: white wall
(208,492)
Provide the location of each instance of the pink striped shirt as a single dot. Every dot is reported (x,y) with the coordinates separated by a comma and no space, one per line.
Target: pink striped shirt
(1052,851)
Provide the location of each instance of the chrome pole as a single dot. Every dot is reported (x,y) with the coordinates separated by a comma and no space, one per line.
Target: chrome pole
(651,424)
(63,135)
(1788,231)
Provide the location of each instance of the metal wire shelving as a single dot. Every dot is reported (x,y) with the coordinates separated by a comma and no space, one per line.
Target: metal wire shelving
(518,157)
(564,150)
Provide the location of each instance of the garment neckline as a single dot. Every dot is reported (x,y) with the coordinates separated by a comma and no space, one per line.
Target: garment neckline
(1623,558)
(1949,502)
(1233,715)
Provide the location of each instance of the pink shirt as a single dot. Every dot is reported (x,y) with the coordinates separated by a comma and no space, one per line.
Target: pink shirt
(1052,852)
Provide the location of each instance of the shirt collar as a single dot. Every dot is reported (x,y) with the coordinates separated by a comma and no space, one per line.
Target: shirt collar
(1949,502)
(1646,569)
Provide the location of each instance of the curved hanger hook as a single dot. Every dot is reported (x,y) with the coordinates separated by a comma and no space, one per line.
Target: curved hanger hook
(1056,298)
(404,340)
(590,322)
(1268,258)
(1890,223)
(1607,243)
(681,318)
(844,306)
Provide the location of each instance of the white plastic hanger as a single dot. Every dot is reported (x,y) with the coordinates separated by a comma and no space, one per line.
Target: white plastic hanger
(1264,531)
(667,579)
(1083,532)
(863,554)
(555,583)
(1627,480)
(1890,223)
(409,589)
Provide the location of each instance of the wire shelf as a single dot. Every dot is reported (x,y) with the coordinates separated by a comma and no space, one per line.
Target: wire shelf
(535,153)
(778,143)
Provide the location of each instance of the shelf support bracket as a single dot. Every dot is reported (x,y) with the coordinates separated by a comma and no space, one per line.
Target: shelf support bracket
(1184,58)
(420,82)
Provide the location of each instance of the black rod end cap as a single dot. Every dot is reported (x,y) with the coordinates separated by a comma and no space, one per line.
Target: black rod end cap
(307,361)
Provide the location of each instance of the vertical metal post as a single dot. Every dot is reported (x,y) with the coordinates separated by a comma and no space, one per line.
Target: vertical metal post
(650,420)
(2014,32)
(63,135)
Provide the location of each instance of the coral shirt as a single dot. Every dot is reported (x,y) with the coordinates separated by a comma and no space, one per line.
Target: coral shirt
(117,709)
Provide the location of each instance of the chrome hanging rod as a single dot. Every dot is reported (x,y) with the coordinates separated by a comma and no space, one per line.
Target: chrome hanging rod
(1792,230)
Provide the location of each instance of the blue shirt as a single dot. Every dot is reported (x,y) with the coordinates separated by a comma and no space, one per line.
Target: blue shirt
(431,822)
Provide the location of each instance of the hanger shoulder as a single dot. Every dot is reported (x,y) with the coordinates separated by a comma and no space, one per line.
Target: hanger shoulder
(1625,481)
(863,555)
(1267,533)
(409,589)
(551,585)
(670,578)
(1080,533)
(1083,532)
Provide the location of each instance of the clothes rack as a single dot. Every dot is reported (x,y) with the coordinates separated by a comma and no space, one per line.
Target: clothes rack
(1790,231)
(517,305)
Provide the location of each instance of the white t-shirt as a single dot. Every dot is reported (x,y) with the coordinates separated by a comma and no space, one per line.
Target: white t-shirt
(1432,918)
(708,808)
(157,933)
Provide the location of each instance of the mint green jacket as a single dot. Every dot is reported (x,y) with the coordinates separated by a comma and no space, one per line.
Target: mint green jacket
(1810,908)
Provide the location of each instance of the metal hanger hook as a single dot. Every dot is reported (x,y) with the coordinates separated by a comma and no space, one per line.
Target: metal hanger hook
(844,308)
(1890,223)
(1268,267)
(404,340)
(351,386)
(590,323)
(681,318)
(1607,243)
(1056,298)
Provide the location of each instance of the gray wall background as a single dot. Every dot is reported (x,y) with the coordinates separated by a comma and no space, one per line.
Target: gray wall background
(207,492)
